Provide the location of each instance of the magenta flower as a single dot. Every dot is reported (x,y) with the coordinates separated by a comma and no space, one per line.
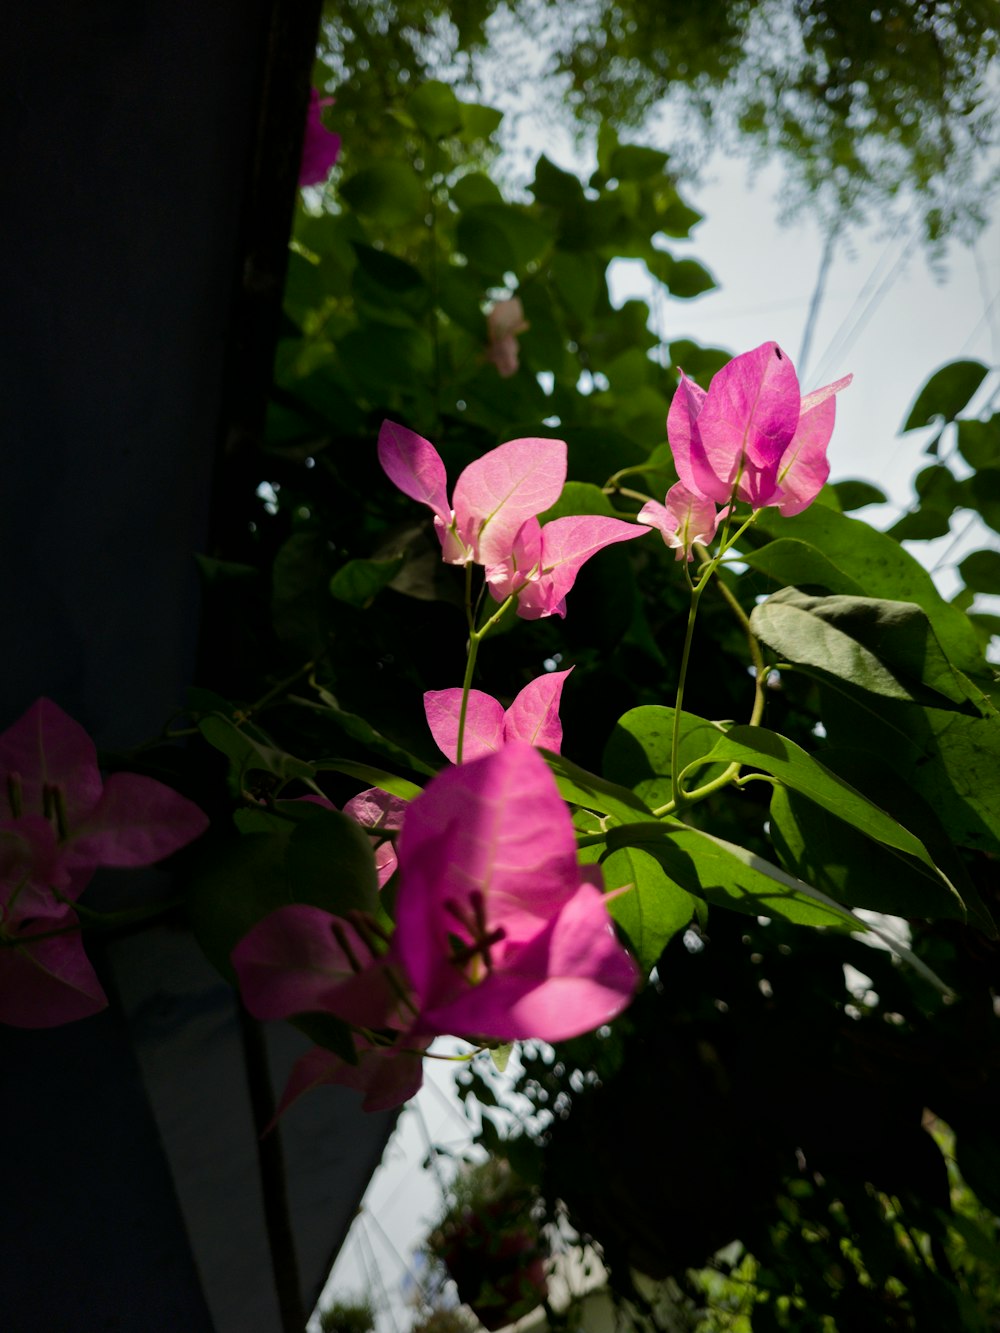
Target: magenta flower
(381,813)
(500,935)
(532,717)
(753,434)
(58,822)
(499,930)
(320,146)
(492,519)
(301,960)
(683,519)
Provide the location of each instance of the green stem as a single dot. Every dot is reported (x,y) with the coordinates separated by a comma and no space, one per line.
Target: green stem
(675,740)
(476,637)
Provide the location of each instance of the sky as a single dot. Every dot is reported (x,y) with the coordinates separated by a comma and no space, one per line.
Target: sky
(887,318)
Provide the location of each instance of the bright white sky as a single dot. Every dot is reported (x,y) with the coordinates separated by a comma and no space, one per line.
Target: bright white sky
(885,317)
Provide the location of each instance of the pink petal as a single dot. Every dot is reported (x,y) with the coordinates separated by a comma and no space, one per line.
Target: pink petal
(137,822)
(683,519)
(301,960)
(483,723)
(47,982)
(750,415)
(804,465)
(414,465)
(534,714)
(569,979)
(29,870)
(497,493)
(377,809)
(387,1075)
(690,459)
(567,543)
(45,747)
(320,146)
(520,566)
(495,827)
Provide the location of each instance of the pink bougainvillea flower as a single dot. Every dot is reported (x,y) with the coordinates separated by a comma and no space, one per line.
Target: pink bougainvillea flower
(532,717)
(386,1075)
(59,821)
(753,433)
(301,959)
(499,930)
(504,322)
(380,812)
(492,519)
(45,976)
(544,561)
(320,146)
(683,519)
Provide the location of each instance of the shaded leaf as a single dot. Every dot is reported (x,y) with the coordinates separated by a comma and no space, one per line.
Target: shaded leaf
(357,582)
(946,392)
(885,648)
(653,910)
(638,752)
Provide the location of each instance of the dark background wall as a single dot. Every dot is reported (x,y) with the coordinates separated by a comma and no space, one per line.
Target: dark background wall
(148,151)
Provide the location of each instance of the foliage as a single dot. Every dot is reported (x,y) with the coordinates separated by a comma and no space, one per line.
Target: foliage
(863,105)
(347,1317)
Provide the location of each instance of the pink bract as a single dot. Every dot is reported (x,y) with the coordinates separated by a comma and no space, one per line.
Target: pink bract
(752,433)
(682,519)
(499,931)
(532,717)
(320,147)
(492,519)
(58,821)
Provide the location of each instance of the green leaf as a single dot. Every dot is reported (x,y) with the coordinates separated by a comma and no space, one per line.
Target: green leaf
(979,442)
(726,875)
(591,792)
(882,647)
(881,566)
(865,874)
(638,752)
(436,109)
(577,279)
(358,582)
(234,885)
(475,187)
(390,192)
(798,770)
(848,866)
(248,753)
(653,910)
(382,358)
(685,278)
(374,777)
(946,392)
(635,162)
(359,729)
(981,571)
(501,1055)
(857,494)
(500,237)
(800,564)
(560,189)
(330,864)
(478,121)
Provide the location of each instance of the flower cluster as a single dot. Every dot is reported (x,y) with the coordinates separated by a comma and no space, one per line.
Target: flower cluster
(752,437)
(492,518)
(58,822)
(500,935)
